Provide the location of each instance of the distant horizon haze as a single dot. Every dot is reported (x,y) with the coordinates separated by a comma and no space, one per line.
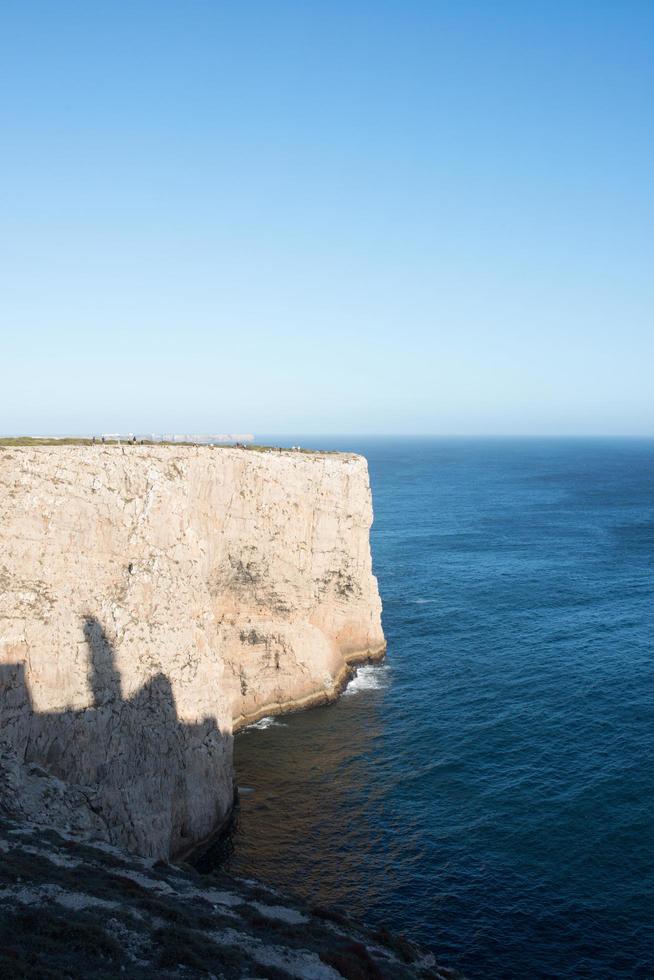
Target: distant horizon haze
(323,436)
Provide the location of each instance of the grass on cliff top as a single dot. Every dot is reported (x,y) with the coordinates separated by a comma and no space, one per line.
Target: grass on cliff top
(7,442)
(311,452)
(42,441)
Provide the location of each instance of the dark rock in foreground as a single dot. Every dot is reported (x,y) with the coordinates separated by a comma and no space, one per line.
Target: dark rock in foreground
(71,908)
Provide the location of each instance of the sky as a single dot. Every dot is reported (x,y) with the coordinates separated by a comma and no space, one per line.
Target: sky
(337,216)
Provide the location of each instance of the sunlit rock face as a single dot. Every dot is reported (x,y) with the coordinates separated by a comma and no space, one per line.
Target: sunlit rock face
(152,598)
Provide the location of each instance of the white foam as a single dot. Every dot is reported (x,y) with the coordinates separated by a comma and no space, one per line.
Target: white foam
(372,677)
(263,723)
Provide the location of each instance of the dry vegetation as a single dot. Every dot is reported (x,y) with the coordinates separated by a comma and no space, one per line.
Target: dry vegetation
(7,442)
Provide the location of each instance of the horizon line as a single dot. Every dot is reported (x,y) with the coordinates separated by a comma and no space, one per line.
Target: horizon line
(296,434)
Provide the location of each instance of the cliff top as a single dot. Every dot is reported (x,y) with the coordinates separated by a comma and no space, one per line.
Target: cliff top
(73,443)
(9,442)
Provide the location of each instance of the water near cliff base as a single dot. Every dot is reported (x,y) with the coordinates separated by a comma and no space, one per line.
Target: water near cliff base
(489,791)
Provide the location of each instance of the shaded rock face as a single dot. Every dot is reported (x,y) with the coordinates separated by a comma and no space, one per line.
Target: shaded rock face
(154,598)
(124,769)
(74,909)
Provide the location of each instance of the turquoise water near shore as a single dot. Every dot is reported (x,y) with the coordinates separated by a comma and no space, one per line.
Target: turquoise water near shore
(488,791)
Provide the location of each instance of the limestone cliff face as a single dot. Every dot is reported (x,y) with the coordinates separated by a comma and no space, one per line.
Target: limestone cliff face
(154,598)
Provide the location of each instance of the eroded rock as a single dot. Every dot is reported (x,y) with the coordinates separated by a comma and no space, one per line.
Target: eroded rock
(152,600)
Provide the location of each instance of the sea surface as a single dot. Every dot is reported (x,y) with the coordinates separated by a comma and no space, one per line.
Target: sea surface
(489,790)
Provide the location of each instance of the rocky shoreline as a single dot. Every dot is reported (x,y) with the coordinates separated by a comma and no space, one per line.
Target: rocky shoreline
(72,907)
(341,680)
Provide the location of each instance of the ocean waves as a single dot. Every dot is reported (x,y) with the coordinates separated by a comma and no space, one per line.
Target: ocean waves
(487,790)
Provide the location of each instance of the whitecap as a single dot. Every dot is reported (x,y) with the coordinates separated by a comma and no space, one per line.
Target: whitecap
(372,677)
(263,723)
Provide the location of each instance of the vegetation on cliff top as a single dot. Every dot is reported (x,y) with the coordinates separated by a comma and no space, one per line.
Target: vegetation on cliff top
(7,442)
(10,441)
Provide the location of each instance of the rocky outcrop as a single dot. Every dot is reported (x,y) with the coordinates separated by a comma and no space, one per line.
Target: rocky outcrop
(74,909)
(152,600)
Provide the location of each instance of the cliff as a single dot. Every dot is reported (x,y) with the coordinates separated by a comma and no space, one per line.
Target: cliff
(152,600)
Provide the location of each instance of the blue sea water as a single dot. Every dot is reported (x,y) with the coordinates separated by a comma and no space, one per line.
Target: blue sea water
(489,791)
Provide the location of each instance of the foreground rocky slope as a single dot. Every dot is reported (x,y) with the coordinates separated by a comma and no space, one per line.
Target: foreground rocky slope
(69,908)
(152,600)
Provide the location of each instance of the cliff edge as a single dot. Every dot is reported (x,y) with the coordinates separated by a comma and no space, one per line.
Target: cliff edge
(153,599)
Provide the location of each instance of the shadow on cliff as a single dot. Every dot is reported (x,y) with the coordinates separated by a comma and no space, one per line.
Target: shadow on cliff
(129,768)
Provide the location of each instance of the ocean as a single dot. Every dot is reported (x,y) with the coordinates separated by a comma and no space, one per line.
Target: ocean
(488,791)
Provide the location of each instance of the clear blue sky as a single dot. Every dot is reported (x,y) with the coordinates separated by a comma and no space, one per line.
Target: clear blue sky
(327,216)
